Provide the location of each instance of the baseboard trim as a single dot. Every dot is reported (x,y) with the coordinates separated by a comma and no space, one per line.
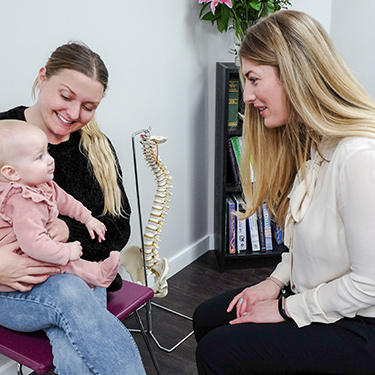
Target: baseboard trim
(188,255)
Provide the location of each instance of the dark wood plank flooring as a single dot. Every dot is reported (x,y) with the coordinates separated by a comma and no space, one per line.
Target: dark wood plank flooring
(187,289)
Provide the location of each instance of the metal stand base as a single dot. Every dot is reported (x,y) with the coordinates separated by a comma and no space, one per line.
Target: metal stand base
(181,341)
(149,329)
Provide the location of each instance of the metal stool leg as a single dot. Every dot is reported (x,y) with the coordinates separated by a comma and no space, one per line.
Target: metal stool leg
(19,369)
(147,341)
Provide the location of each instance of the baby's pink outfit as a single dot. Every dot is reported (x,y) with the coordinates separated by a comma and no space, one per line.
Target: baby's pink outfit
(26,212)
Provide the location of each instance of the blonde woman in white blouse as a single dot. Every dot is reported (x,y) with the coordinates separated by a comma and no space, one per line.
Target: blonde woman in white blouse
(310,130)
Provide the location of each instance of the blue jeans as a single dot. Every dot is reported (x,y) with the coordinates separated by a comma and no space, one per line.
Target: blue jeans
(85,337)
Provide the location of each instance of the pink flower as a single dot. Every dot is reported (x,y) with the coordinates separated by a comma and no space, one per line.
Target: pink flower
(215,2)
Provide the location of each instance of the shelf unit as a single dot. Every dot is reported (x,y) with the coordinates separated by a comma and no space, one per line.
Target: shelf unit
(224,181)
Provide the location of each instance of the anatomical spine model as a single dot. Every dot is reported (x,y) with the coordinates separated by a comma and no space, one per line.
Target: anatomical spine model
(131,257)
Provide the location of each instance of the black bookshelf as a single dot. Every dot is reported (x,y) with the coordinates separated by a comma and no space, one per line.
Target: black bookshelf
(224,180)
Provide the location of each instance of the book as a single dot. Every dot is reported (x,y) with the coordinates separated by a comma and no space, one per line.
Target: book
(262,239)
(233,97)
(231,225)
(267,228)
(226,226)
(233,162)
(252,223)
(237,144)
(277,233)
(241,225)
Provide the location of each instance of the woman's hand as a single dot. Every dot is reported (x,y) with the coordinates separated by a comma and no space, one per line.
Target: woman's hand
(261,312)
(246,301)
(58,231)
(21,272)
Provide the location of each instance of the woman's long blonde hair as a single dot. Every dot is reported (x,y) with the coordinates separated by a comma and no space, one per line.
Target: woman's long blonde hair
(325,102)
(78,57)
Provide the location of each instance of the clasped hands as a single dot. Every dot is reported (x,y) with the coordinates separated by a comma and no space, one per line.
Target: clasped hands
(257,304)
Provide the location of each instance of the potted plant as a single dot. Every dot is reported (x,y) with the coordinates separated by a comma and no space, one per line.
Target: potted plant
(238,14)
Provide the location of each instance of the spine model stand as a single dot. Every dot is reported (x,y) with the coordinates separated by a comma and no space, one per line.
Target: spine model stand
(131,257)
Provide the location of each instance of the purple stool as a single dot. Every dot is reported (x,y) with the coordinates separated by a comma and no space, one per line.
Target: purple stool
(34,350)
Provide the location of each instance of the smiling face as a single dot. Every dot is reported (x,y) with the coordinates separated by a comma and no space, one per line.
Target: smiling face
(264,90)
(67,102)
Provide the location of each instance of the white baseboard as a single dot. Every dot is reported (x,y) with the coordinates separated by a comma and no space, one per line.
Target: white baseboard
(188,255)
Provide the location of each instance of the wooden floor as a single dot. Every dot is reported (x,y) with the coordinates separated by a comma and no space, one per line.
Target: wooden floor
(187,289)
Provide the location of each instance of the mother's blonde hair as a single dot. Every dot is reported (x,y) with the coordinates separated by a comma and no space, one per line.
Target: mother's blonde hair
(79,57)
(325,102)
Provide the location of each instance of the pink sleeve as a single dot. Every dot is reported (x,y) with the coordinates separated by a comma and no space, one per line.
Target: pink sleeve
(29,221)
(69,206)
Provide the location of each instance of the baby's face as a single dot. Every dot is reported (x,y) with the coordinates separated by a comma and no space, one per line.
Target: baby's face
(33,164)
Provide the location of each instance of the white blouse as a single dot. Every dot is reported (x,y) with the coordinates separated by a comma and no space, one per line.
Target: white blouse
(330,233)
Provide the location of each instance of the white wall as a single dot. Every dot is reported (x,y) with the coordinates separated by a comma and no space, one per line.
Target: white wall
(319,9)
(353,31)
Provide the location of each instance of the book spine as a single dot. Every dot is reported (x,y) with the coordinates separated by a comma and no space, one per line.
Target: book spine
(277,233)
(267,228)
(237,148)
(241,226)
(233,162)
(233,96)
(226,226)
(262,239)
(253,231)
(232,248)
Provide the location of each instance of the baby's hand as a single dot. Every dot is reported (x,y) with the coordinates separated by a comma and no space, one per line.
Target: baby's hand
(76,250)
(96,226)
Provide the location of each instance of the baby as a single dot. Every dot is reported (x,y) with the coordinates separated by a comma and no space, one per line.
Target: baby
(30,201)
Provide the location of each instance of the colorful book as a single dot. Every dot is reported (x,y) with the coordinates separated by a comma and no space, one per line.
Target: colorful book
(237,144)
(267,228)
(233,97)
(252,223)
(241,225)
(233,162)
(231,222)
(277,232)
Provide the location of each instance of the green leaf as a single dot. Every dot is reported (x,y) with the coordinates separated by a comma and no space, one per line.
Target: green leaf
(203,9)
(220,25)
(255,4)
(210,17)
(225,16)
(270,7)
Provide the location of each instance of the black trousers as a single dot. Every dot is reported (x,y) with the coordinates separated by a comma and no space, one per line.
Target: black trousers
(344,347)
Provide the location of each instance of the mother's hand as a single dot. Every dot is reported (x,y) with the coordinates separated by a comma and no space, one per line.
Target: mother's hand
(58,230)
(21,272)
